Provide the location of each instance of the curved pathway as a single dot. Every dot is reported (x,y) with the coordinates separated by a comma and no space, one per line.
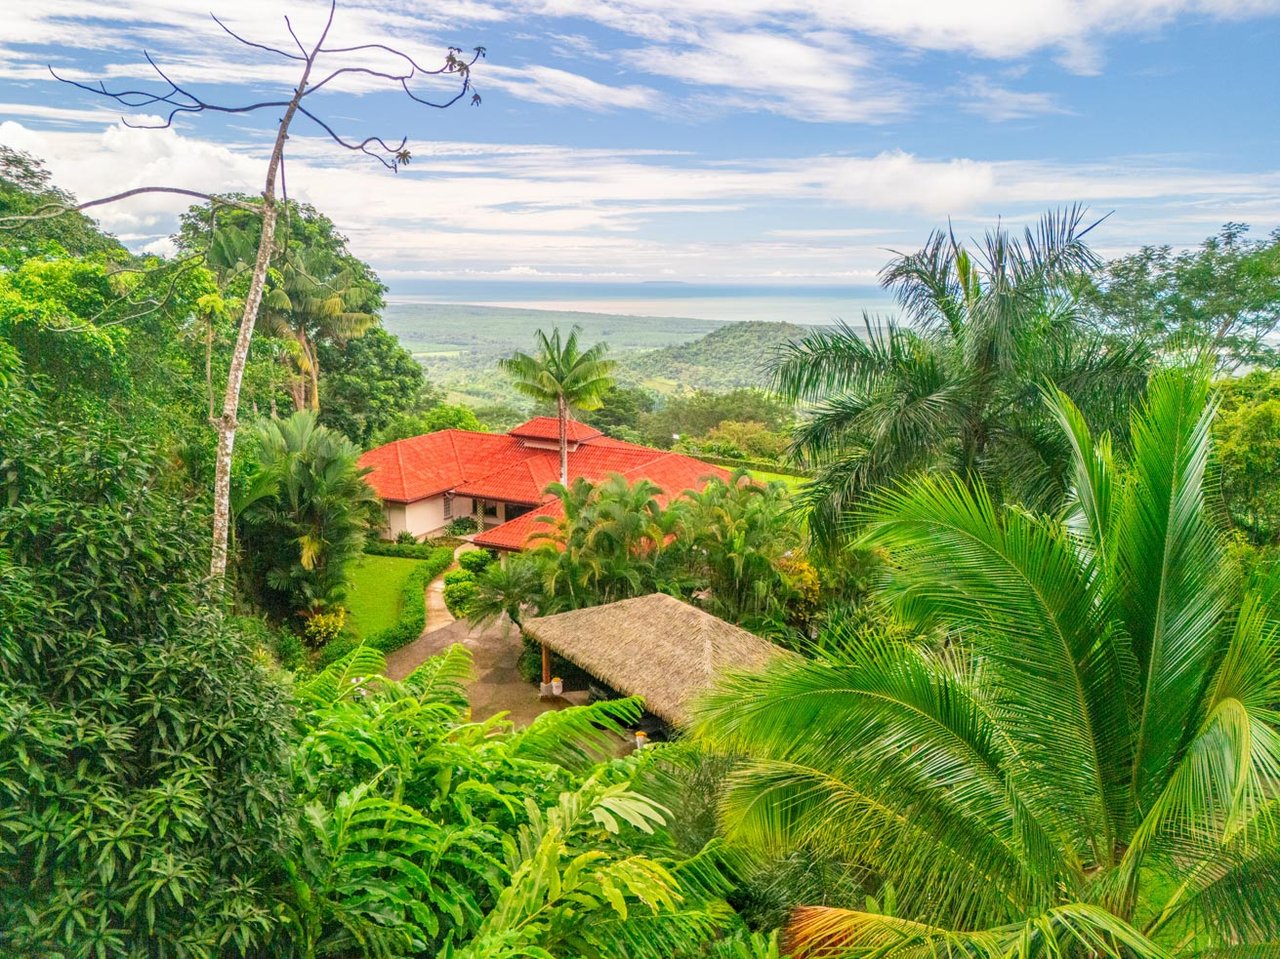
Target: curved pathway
(495,650)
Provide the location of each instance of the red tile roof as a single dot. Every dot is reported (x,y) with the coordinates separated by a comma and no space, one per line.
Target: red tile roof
(548,428)
(501,467)
(673,473)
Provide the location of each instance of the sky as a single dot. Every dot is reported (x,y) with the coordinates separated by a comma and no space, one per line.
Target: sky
(775,142)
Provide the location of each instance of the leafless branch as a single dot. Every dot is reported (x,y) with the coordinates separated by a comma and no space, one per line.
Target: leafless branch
(179,100)
(262,46)
(51,210)
(302,48)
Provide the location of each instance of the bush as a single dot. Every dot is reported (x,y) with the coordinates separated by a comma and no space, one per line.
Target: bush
(382,547)
(283,644)
(322,628)
(139,735)
(463,526)
(405,538)
(459,576)
(459,596)
(476,560)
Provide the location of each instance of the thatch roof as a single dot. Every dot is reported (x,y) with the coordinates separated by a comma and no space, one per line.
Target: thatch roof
(655,646)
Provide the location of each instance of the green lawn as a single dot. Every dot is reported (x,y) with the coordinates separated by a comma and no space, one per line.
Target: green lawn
(763,476)
(373,598)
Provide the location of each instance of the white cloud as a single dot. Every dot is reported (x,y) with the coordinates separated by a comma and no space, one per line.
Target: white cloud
(988,28)
(987,99)
(819,77)
(561,88)
(473,209)
(801,58)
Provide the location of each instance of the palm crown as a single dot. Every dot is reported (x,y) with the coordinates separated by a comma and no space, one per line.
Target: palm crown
(956,388)
(563,374)
(1089,766)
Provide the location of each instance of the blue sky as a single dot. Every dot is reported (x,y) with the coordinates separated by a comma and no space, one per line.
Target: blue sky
(784,142)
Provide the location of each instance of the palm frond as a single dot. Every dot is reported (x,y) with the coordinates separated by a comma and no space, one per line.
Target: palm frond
(352,675)
(443,677)
(1171,593)
(579,736)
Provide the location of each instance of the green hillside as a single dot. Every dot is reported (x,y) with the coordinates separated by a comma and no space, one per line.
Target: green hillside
(460,345)
(735,355)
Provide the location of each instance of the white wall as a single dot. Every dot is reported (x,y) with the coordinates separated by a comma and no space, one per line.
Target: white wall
(393,519)
(425,516)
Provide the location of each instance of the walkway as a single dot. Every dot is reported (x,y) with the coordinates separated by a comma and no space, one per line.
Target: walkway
(495,650)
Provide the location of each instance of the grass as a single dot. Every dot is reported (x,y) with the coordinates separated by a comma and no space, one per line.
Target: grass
(375,593)
(792,482)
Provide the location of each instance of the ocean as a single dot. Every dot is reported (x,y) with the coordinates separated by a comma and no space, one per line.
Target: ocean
(807,305)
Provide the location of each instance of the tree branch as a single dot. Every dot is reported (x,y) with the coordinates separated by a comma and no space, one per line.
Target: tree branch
(51,210)
(262,46)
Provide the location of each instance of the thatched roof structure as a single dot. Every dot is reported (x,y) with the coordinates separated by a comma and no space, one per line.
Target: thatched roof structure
(655,646)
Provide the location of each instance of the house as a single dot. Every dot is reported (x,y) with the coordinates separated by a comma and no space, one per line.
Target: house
(656,647)
(426,482)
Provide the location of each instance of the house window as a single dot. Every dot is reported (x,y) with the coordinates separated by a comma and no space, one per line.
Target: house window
(513,511)
(490,508)
(448,506)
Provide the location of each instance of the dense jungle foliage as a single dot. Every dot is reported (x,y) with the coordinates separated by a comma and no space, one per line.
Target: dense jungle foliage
(1029,578)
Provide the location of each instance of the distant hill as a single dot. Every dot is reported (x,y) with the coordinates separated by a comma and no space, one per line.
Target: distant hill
(735,355)
(460,346)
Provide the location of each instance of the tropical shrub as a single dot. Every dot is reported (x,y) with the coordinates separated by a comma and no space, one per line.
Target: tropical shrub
(415,550)
(405,538)
(463,526)
(428,834)
(1087,767)
(459,576)
(302,514)
(324,627)
(736,541)
(476,560)
(143,785)
(957,386)
(459,596)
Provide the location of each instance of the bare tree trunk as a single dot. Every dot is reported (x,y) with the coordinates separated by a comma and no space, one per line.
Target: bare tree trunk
(226,424)
(546,665)
(313,361)
(208,367)
(562,410)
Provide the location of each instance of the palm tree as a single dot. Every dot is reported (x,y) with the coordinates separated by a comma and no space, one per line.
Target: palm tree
(564,375)
(735,535)
(319,297)
(303,513)
(956,388)
(1089,766)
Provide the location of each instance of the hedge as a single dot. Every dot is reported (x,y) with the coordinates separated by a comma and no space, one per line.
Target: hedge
(477,560)
(763,465)
(382,547)
(413,612)
(460,595)
(459,576)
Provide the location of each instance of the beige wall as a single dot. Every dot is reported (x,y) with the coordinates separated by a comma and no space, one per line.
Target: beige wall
(392,519)
(423,517)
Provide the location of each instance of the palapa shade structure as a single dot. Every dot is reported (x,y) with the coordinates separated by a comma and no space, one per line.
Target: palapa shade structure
(654,646)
